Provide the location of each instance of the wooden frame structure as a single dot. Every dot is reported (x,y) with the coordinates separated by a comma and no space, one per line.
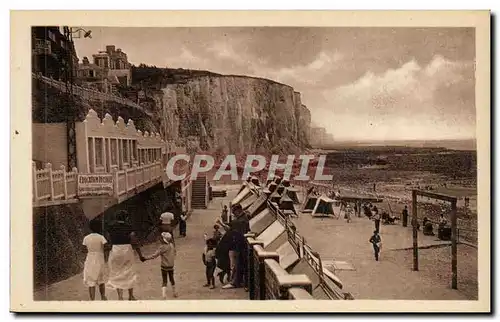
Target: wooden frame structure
(453,219)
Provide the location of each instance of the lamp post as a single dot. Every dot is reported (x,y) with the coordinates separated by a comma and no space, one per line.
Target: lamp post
(70,106)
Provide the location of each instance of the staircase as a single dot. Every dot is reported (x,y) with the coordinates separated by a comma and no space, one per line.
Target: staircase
(199,193)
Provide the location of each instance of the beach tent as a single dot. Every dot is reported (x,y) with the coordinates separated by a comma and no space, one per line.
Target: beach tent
(266,192)
(280,189)
(292,193)
(310,203)
(249,201)
(277,180)
(243,186)
(272,186)
(255,180)
(285,183)
(257,206)
(286,205)
(275,197)
(323,207)
(242,195)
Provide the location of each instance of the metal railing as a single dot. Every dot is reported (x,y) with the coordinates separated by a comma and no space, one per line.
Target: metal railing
(90,94)
(266,279)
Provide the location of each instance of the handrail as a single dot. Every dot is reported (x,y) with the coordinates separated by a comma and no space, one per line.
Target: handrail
(305,251)
(90,93)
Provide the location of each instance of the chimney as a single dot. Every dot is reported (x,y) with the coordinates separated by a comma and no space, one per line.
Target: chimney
(110,49)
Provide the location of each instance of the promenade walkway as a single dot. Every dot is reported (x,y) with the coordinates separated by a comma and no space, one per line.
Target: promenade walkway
(189,274)
(392,277)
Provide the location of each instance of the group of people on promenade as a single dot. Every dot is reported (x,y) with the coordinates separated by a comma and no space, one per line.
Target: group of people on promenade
(227,251)
(120,271)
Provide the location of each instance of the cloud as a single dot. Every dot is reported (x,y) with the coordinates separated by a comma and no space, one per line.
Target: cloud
(308,74)
(412,101)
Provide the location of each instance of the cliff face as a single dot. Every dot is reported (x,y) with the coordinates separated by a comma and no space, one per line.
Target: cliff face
(234,114)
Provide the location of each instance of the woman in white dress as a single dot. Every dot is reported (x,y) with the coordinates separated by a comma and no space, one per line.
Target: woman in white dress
(124,256)
(95,270)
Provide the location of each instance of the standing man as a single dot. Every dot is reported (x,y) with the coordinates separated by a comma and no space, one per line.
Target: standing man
(376,218)
(376,241)
(405,216)
(166,220)
(182,224)
(237,229)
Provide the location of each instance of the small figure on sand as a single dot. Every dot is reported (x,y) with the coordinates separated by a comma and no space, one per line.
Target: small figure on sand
(210,262)
(167,252)
(405,216)
(376,241)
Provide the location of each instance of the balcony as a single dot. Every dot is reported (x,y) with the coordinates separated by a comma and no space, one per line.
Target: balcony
(42,47)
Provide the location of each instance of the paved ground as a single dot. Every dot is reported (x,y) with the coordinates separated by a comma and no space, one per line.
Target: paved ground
(190,272)
(392,277)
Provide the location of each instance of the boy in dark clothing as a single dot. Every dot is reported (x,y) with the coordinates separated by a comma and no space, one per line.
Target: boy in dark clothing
(217,235)
(182,225)
(210,263)
(376,241)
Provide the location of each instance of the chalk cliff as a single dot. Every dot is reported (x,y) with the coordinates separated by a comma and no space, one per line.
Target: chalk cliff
(236,114)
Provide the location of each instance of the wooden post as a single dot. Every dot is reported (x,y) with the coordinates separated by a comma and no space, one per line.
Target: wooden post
(35,182)
(454,245)
(65,186)
(414,221)
(48,166)
(115,184)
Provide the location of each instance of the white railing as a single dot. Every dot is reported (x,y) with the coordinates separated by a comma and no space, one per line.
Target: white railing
(53,185)
(60,186)
(130,179)
(88,93)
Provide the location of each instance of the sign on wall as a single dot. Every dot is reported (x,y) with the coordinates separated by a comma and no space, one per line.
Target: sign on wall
(91,185)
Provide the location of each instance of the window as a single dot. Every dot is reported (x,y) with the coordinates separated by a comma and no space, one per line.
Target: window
(134,149)
(90,145)
(114,148)
(125,151)
(99,156)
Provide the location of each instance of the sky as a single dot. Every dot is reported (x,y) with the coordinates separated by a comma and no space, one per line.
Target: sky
(358,83)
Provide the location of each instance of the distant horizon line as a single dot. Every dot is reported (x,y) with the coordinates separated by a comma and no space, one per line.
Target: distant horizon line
(401,140)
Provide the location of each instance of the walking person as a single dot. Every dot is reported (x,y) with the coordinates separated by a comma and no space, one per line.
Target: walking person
(124,256)
(405,216)
(376,219)
(376,241)
(94,269)
(167,252)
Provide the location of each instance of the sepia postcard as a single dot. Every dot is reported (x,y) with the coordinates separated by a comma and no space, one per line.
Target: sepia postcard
(301,161)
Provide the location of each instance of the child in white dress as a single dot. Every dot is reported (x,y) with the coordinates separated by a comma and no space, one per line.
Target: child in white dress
(94,271)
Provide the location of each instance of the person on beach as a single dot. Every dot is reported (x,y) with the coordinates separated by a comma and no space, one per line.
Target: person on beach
(225,214)
(376,219)
(235,232)
(94,269)
(405,216)
(348,213)
(124,256)
(166,224)
(209,260)
(217,235)
(167,252)
(182,225)
(376,241)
